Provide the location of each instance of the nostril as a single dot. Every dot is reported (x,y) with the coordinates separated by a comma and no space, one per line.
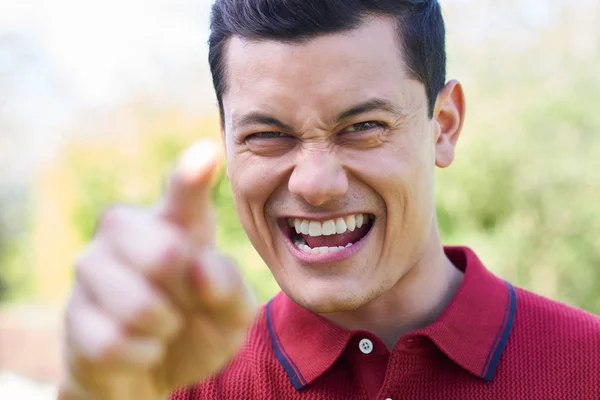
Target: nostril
(319,182)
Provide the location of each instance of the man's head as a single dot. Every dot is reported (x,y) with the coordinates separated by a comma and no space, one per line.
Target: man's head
(335,114)
(421,32)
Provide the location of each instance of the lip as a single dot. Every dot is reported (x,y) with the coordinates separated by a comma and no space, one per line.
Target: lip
(329,258)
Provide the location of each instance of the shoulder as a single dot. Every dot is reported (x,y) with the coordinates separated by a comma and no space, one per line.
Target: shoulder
(545,330)
(553,349)
(536,313)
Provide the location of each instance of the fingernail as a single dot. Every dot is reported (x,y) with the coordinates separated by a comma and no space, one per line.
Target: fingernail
(143,351)
(197,158)
(171,324)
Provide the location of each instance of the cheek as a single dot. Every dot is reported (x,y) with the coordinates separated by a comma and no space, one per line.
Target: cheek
(254,181)
(415,185)
(389,170)
(401,174)
(415,212)
(249,205)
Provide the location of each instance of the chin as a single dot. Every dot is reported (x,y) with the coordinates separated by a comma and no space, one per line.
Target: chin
(331,300)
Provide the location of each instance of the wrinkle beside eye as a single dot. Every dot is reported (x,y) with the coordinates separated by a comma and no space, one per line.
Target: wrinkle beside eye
(366,139)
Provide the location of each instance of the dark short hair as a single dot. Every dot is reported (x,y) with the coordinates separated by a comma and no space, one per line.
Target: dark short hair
(420,28)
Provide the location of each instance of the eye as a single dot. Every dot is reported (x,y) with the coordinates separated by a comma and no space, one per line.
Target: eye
(270,143)
(268,135)
(364,126)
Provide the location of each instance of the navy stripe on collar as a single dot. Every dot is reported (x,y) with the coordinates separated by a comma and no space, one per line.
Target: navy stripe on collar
(502,337)
(288,364)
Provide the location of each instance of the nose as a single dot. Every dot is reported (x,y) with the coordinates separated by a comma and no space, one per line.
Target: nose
(319,178)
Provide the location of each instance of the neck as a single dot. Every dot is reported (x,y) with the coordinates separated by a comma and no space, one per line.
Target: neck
(414,302)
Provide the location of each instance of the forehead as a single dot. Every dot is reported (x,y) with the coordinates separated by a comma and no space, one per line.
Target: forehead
(325,73)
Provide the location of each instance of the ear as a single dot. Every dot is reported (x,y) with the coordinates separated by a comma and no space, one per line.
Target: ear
(449,116)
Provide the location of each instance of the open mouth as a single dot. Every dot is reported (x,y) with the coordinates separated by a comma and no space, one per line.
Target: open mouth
(331,236)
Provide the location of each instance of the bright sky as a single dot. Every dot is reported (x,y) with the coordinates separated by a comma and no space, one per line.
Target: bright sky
(78,55)
(100,48)
(96,45)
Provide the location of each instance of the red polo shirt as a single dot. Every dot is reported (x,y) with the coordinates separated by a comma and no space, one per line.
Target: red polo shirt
(493,341)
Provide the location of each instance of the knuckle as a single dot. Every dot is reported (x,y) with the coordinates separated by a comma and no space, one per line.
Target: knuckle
(112,217)
(88,261)
(234,277)
(220,280)
(109,352)
(156,318)
(145,314)
(69,320)
(104,353)
(83,262)
(170,252)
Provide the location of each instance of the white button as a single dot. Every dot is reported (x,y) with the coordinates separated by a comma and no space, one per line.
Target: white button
(389,398)
(366,346)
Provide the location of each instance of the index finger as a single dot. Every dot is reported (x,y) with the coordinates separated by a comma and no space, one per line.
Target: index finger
(187,199)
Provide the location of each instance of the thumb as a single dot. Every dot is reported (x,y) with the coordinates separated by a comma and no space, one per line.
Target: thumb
(187,200)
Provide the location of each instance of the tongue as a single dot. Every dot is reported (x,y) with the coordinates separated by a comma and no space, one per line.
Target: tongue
(337,240)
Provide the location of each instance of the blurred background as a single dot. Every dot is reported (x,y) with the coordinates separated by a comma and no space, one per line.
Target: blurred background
(98,97)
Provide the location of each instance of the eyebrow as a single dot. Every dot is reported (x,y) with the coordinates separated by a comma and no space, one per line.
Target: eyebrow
(370,105)
(258,118)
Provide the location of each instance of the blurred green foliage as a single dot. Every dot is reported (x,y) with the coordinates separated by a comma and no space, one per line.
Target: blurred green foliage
(15,259)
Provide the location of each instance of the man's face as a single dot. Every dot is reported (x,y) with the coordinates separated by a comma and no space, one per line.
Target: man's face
(331,157)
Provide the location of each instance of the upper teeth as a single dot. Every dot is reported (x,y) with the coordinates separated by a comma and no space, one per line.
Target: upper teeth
(329,227)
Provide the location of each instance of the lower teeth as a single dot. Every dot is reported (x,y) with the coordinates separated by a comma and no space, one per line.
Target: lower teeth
(319,250)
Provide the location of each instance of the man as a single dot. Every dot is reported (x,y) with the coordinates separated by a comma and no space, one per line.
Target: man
(334,115)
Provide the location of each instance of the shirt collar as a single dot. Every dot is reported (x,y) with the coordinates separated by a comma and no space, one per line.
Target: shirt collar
(474,328)
(305,343)
(472,331)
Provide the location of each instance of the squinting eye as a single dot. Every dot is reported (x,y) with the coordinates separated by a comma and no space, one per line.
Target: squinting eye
(268,135)
(364,126)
